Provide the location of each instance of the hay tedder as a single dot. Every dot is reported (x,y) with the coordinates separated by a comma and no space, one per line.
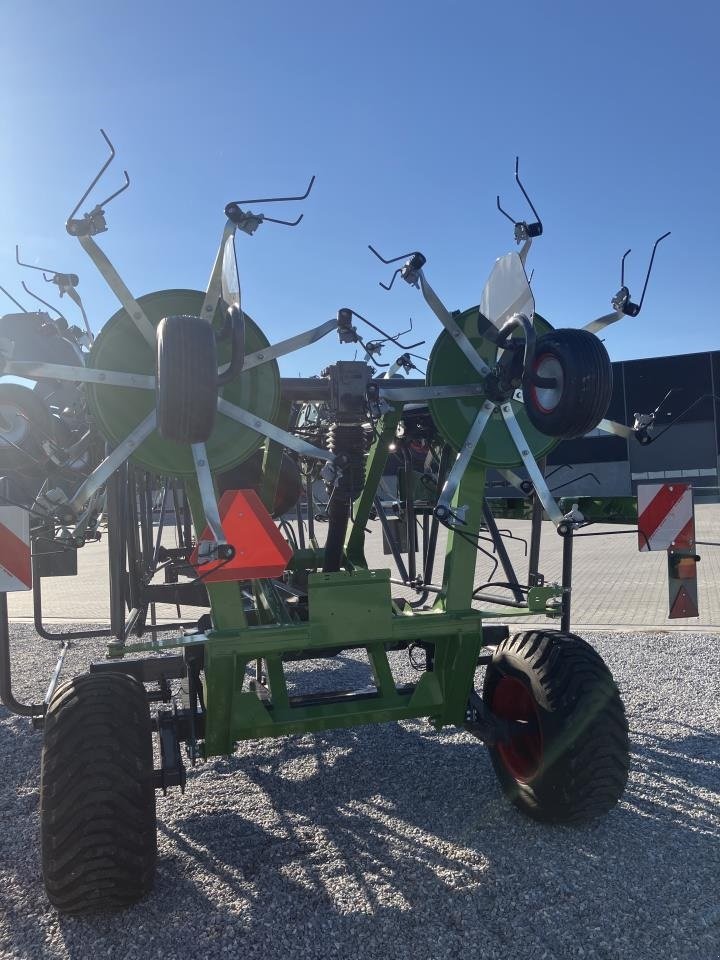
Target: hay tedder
(214,473)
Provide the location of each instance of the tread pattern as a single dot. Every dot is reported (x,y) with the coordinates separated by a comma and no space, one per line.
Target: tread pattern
(583,723)
(186,372)
(588,383)
(97,794)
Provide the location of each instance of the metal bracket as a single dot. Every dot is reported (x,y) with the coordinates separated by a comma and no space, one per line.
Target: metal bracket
(116,284)
(110,464)
(267,429)
(443,510)
(538,481)
(448,321)
(207,494)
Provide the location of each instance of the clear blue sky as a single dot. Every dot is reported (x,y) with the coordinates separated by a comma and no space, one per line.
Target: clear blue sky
(410,115)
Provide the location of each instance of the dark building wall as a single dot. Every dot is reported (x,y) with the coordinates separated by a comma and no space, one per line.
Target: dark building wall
(689,449)
(605,465)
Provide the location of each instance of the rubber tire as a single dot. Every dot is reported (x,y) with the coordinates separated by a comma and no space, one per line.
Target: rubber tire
(587,384)
(585,753)
(186,385)
(97,794)
(41,426)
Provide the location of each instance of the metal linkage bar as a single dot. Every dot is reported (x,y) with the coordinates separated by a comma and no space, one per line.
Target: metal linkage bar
(52,686)
(59,371)
(538,481)
(595,325)
(447,320)
(214,287)
(267,429)
(116,284)
(284,347)
(120,454)
(443,510)
(6,693)
(619,429)
(418,394)
(207,492)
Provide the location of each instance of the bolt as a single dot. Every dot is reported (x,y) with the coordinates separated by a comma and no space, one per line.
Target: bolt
(137,315)
(101,376)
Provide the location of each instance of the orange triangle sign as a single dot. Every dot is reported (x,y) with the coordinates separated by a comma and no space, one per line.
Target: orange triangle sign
(260,549)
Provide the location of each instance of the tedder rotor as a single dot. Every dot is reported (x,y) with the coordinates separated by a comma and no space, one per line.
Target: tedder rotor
(181,393)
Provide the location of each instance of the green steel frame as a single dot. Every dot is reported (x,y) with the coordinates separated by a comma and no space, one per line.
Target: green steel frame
(352,609)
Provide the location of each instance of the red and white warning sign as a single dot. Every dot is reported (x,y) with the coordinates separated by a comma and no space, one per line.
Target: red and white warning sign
(665,516)
(15,567)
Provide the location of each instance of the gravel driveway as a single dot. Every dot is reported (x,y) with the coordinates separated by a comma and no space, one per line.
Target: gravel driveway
(393,841)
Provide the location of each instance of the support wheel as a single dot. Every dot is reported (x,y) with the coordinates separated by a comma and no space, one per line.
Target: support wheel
(570,762)
(187,379)
(25,422)
(97,794)
(580,365)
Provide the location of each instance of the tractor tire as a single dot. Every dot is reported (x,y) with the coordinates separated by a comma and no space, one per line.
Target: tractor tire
(187,379)
(570,765)
(581,366)
(25,422)
(97,795)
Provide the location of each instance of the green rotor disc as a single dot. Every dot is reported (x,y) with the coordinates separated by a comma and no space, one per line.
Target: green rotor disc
(448,365)
(119,410)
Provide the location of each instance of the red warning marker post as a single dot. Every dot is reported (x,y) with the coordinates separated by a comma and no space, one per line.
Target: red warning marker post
(15,564)
(666,521)
(260,549)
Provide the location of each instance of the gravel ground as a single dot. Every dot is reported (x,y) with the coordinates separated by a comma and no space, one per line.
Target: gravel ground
(394,840)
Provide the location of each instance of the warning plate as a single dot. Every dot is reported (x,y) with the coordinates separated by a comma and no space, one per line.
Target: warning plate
(665,516)
(260,549)
(15,566)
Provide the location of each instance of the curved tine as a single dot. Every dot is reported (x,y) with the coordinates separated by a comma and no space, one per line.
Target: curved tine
(48,305)
(285,223)
(102,170)
(32,266)
(385,335)
(622,267)
(402,333)
(304,196)
(512,220)
(404,256)
(524,191)
(375,362)
(106,201)
(11,297)
(652,258)
(388,286)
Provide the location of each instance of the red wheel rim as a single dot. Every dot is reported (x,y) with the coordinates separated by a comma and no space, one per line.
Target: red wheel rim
(523,753)
(546,399)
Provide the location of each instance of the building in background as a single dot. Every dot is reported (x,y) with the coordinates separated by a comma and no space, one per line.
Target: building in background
(604,465)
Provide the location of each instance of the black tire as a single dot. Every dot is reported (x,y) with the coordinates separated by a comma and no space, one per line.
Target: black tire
(97,794)
(570,764)
(581,365)
(25,422)
(186,371)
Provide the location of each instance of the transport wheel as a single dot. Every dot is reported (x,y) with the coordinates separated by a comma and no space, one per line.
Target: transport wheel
(568,763)
(97,794)
(580,365)
(25,422)
(186,371)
